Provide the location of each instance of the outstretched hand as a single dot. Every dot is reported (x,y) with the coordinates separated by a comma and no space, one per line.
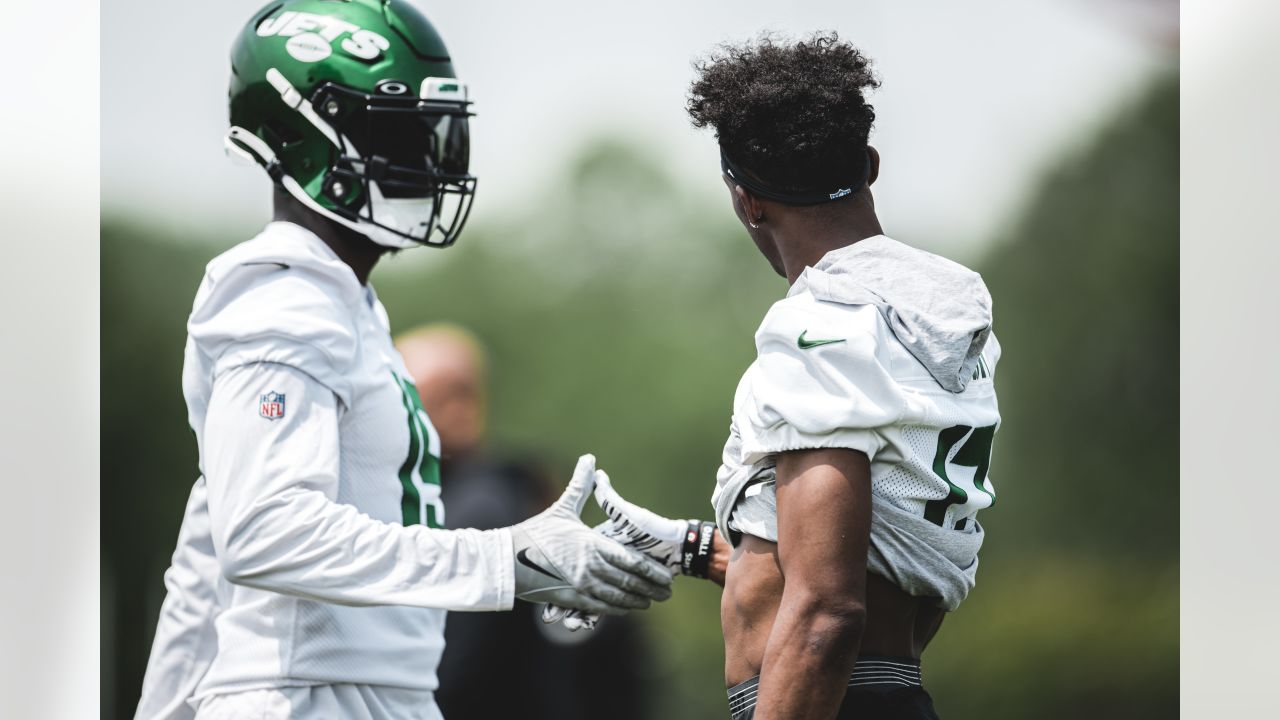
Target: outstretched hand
(558,559)
(638,528)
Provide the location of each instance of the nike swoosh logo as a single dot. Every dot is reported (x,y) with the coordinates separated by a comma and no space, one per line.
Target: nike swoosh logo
(806,344)
(523,557)
(266,262)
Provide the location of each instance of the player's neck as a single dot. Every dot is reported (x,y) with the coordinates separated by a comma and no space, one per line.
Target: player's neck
(357,251)
(802,242)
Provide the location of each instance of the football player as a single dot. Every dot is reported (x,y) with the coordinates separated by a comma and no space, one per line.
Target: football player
(861,435)
(319,509)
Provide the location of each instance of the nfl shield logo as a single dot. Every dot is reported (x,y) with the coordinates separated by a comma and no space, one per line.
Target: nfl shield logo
(272,406)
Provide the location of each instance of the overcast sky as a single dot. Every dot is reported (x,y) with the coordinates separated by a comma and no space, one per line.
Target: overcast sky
(977,96)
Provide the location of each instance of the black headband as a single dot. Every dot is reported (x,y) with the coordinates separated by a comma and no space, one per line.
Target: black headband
(795,198)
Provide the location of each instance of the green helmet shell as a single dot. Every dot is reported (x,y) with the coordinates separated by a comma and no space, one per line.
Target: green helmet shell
(368,46)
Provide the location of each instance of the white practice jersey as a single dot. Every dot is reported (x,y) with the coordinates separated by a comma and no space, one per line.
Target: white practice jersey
(185,640)
(322,481)
(833,374)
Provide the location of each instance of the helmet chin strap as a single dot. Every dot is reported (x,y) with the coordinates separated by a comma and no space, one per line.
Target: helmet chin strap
(245,146)
(404,213)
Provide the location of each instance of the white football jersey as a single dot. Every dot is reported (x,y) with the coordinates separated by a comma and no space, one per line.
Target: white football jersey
(322,481)
(185,640)
(832,374)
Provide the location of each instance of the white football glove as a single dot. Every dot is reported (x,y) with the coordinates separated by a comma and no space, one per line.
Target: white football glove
(640,528)
(559,559)
(670,542)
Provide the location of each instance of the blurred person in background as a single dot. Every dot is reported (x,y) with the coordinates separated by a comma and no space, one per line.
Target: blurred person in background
(548,672)
(321,497)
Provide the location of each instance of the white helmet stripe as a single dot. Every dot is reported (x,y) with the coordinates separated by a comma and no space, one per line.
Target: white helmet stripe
(242,144)
(245,145)
(291,97)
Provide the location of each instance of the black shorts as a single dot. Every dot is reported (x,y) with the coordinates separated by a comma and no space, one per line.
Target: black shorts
(881,688)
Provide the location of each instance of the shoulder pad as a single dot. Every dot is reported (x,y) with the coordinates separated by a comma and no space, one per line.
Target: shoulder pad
(821,379)
(281,304)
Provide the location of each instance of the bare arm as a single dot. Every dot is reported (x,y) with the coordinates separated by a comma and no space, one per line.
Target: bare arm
(824,521)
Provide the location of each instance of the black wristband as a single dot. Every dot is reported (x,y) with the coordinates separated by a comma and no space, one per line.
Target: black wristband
(695,554)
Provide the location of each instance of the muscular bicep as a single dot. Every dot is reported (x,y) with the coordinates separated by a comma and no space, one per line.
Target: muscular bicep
(824,522)
(824,513)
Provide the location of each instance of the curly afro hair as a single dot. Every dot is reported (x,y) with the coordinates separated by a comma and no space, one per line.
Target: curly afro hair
(793,114)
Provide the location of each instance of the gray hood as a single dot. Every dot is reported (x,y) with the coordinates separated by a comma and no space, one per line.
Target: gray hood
(938,309)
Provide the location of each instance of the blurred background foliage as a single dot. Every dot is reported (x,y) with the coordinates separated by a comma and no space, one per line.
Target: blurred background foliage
(619,317)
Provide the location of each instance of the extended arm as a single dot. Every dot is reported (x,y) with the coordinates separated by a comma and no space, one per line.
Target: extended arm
(716,556)
(277,524)
(689,547)
(824,519)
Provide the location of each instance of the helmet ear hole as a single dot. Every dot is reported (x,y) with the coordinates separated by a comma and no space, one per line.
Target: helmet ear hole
(280,135)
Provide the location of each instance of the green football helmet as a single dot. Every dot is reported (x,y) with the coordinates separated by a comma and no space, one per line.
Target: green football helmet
(352,106)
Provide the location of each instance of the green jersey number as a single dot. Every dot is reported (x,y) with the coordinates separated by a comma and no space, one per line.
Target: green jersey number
(974,452)
(420,502)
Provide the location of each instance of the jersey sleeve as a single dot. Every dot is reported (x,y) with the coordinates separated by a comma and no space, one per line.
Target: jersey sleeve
(820,380)
(266,312)
(276,524)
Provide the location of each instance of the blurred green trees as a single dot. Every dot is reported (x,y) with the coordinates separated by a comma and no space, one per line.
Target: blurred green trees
(1076,608)
(620,315)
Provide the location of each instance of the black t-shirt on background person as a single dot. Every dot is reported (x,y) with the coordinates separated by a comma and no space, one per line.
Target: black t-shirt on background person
(509,664)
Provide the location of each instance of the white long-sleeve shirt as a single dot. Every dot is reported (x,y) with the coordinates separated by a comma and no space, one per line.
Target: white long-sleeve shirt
(185,640)
(322,480)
